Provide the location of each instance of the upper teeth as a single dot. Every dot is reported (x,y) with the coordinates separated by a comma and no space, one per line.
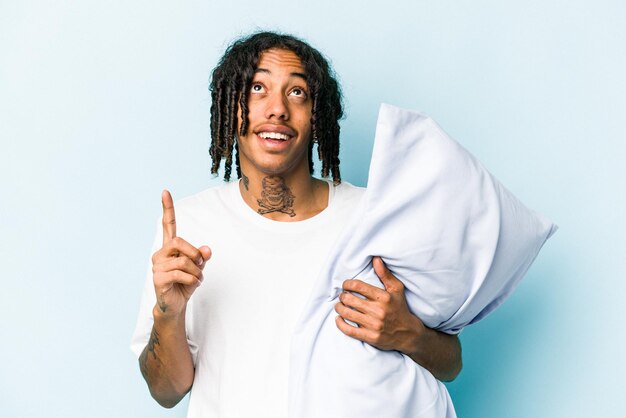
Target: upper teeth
(274,135)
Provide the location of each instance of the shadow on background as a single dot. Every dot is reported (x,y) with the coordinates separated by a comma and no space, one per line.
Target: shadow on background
(499,351)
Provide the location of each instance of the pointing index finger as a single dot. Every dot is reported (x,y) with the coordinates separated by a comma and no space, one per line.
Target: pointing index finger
(169,218)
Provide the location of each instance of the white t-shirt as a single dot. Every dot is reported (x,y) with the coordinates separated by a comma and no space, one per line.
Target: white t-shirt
(240,320)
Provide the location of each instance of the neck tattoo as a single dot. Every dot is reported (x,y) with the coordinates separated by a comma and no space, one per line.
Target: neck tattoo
(275,197)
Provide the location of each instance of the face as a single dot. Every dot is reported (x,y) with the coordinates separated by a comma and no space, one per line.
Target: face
(279,115)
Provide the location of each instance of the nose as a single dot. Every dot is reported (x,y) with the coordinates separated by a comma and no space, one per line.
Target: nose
(277,107)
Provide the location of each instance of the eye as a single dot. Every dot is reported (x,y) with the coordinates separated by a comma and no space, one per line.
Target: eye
(298,92)
(257,88)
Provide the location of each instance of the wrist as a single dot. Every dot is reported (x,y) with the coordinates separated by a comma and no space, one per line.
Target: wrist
(418,338)
(168,316)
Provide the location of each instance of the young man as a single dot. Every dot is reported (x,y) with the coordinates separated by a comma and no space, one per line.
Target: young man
(218,321)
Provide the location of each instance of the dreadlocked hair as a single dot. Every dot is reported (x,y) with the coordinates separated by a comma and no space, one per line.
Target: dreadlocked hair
(231,81)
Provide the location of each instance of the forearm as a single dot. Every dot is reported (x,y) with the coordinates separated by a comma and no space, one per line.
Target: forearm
(166,362)
(438,352)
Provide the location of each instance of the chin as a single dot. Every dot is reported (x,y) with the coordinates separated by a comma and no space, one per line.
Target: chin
(275,171)
(280,168)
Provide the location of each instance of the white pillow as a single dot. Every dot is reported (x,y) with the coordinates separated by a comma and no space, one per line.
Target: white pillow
(458,240)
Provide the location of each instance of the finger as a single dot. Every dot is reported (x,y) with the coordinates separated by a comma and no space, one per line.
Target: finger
(354,316)
(362,305)
(391,282)
(164,279)
(178,263)
(365,289)
(179,247)
(206,254)
(360,334)
(169,218)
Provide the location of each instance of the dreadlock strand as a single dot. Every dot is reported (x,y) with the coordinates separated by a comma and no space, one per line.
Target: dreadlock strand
(216,124)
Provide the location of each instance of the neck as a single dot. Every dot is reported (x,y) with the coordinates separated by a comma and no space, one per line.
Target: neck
(284,198)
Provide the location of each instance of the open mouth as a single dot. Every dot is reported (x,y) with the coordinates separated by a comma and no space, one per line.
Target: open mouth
(274,135)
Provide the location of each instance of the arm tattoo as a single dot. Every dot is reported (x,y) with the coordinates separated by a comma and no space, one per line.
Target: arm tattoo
(143,359)
(161,301)
(275,197)
(246,180)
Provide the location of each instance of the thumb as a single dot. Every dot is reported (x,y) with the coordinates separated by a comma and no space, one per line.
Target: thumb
(391,282)
(206,254)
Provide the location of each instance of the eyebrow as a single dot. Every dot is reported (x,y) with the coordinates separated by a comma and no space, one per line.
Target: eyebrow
(294,74)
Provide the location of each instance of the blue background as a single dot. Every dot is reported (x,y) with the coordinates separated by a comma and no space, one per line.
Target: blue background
(103,104)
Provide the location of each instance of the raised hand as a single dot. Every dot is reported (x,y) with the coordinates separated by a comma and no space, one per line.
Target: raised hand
(177,266)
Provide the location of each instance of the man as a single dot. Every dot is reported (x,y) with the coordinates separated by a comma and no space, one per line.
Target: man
(273,98)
